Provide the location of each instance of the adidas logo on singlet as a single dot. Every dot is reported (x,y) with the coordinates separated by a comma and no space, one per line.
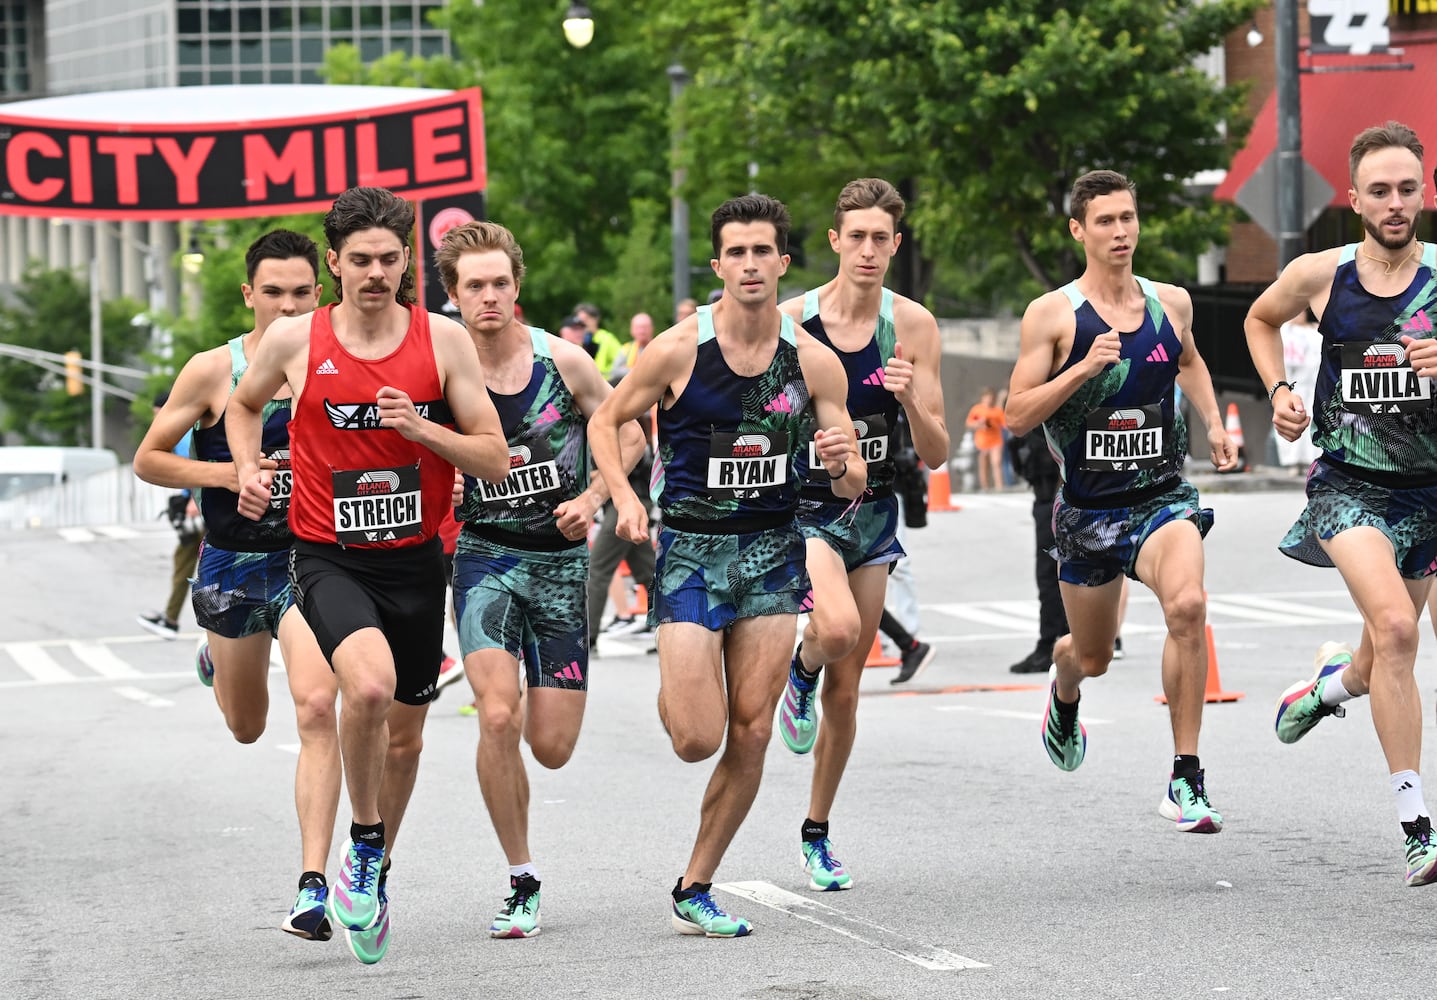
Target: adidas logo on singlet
(327,368)
(875,379)
(1159,355)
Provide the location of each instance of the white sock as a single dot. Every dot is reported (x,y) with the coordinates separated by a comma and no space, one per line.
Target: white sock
(527,868)
(1407,786)
(1334,692)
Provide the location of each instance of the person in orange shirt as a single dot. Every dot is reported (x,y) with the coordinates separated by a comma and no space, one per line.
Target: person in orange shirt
(986,421)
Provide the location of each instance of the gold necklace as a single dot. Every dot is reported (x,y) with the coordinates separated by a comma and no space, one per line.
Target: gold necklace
(1416,254)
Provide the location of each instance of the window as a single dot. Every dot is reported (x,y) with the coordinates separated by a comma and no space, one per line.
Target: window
(190,22)
(221,76)
(431,45)
(251,51)
(251,20)
(309,75)
(311,18)
(191,52)
(191,77)
(401,17)
(281,74)
(281,50)
(371,15)
(220,52)
(220,21)
(371,48)
(311,50)
(341,19)
(251,76)
(281,19)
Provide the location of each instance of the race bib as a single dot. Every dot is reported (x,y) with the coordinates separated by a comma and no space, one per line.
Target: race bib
(1123,440)
(1378,378)
(872,442)
(747,465)
(532,473)
(282,485)
(377,505)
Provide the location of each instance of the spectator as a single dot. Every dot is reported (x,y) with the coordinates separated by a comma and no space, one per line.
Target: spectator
(184,516)
(641,332)
(605,346)
(986,421)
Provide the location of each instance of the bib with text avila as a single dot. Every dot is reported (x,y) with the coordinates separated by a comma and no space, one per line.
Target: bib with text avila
(376,505)
(1378,378)
(747,465)
(1123,440)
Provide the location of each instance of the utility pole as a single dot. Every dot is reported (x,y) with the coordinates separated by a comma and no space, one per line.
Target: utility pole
(1291,235)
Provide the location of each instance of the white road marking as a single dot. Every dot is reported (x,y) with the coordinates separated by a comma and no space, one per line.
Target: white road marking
(1291,609)
(143,697)
(1306,616)
(103,661)
(985,614)
(863,931)
(39,664)
(1004,713)
(117,531)
(76,534)
(289,748)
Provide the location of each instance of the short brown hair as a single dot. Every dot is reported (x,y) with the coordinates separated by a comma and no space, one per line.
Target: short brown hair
(1385,136)
(868,192)
(362,208)
(751,208)
(476,237)
(1094,184)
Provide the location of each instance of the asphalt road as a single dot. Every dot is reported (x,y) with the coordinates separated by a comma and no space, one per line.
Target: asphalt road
(150,856)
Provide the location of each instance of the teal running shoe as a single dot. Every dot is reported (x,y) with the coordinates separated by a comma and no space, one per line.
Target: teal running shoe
(825,872)
(797,713)
(307,918)
(1065,740)
(354,899)
(370,946)
(695,912)
(520,916)
(1186,804)
(1300,708)
(204,663)
(1421,852)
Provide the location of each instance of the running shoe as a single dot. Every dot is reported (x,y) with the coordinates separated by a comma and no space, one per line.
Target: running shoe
(913,662)
(204,663)
(1118,653)
(1421,852)
(798,715)
(369,946)
(825,872)
(354,900)
(1300,708)
(695,912)
(520,916)
(470,709)
(307,918)
(1186,804)
(160,625)
(449,671)
(1065,740)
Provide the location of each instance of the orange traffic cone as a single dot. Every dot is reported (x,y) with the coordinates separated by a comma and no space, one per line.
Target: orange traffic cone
(1214,691)
(876,657)
(641,601)
(940,491)
(1233,426)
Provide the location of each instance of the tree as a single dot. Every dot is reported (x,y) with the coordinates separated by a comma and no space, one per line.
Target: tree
(574,138)
(991,111)
(51,312)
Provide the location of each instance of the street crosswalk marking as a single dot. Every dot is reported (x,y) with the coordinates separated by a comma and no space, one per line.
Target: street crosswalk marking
(117,531)
(40,665)
(103,661)
(77,534)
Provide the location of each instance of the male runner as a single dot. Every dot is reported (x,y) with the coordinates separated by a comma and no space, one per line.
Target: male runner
(1097,363)
(241,591)
(1372,495)
(890,350)
(521,567)
(373,458)
(733,383)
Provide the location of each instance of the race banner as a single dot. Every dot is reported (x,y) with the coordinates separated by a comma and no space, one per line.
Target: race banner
(436,217)
(55,168)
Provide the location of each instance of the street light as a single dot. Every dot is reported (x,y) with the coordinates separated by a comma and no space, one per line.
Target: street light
(678,207)
(578,25)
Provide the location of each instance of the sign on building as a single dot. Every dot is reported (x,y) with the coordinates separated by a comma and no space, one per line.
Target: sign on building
(1348,27)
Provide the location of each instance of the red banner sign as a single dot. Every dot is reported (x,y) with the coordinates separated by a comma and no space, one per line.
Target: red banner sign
(426,149)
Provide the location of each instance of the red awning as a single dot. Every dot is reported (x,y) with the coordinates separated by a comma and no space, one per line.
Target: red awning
(1336,106)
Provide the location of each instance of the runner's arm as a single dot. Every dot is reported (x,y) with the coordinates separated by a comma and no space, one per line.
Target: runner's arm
(1033,394)
(478,446)
(917,355)
(189,403)
(286,341)
(835,440)
(1285,298)
(589,390)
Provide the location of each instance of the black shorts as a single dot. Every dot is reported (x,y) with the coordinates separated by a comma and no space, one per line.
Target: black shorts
(398,591)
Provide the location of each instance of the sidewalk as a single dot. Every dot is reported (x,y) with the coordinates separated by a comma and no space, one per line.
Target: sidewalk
(1258,478)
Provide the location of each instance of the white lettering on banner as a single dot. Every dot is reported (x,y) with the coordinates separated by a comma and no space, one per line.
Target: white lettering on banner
(525,480)
(746,473)
(375,512)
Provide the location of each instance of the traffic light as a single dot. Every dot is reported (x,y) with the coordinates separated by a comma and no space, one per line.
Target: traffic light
(74,381)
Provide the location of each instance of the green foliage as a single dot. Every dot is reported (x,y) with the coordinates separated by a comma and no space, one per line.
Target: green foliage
(992,109)
(640,278)
(51,312)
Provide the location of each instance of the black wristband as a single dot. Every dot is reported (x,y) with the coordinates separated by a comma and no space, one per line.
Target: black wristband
(841,474)
(1278,385)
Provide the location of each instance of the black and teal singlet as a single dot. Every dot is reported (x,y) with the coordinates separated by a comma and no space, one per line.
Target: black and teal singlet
(548,462)
(1373,413)
(727,445)
(227,528)
(1118,437)
(873,408)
